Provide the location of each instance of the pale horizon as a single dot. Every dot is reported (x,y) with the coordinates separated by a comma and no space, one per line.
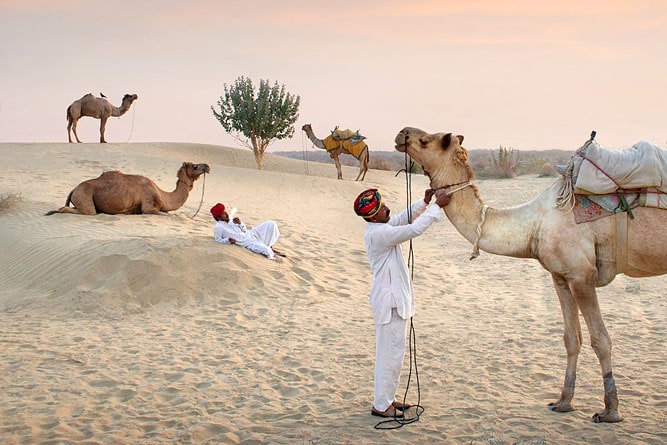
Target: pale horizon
(519,74)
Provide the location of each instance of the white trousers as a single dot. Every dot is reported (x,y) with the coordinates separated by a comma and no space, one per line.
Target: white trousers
(389,354)
(261,238)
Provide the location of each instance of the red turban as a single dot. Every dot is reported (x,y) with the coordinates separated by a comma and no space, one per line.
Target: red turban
(368,203)
(217,210)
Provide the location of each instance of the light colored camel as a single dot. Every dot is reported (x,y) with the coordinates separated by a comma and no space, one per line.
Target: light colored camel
(341,149)
(114,193)
(97,107)
(580,257)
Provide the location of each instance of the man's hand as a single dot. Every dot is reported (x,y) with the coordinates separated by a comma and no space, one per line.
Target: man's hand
(443,199)
(428,194)
(237,220)
(232,241)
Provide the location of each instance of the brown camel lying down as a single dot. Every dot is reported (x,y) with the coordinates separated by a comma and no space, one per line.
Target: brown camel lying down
(114,193)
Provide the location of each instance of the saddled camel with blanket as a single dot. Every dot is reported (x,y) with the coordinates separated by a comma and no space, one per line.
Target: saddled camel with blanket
(336,147)
(580,257)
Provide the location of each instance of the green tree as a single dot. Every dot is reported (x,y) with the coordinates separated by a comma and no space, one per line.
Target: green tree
(260,117)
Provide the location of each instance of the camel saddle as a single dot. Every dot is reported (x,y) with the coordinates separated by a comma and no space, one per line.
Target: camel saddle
(347,134)
(640,169)
(355,148)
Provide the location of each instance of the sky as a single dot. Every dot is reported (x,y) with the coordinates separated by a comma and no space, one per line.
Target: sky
(524,74)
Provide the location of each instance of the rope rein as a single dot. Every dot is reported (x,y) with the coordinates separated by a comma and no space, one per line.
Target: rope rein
(201,201)
(304,152)
(398,422)
(134,109)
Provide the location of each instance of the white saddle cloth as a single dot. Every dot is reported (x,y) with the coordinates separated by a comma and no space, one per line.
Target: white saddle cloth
(644,165)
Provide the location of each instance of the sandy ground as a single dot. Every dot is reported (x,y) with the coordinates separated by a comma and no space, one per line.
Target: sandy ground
(142,329)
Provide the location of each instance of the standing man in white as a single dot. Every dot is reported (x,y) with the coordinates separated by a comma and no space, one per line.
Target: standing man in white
(392,297)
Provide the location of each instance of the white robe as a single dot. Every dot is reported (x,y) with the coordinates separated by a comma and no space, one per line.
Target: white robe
(259,239)
(392,298)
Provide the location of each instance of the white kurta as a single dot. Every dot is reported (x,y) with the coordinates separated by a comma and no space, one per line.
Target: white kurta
(392,299)
(259,239)
(391,286)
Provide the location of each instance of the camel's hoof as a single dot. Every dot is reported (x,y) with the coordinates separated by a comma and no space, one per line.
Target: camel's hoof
(607,418)
(560,407)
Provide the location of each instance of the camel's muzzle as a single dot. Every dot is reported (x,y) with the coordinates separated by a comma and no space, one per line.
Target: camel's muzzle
(401,141)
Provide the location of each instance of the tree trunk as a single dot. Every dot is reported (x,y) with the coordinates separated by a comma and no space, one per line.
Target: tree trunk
(257,149)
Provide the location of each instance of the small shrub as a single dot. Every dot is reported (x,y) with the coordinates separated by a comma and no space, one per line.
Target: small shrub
(506,165)
(8,202)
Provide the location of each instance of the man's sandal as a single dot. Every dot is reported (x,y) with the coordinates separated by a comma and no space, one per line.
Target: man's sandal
(390,412)
(400,405)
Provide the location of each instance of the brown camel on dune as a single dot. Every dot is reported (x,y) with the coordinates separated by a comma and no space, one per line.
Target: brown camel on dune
(580,257)
(335,148)
(97,107)
(114,193)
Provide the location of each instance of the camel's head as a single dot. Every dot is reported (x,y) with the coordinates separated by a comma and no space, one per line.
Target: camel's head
(190,172)
(129,98)
(306,127)
(440,154)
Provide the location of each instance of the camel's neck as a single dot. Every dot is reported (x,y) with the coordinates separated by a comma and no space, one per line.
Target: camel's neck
(314,139)
(508,232)
(119,111)
(174,200)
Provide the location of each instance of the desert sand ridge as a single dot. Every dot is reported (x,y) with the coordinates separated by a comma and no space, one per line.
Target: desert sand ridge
(141,329)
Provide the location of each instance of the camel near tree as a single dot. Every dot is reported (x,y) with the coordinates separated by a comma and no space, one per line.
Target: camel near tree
(336,148)
(580,257)
(115,193)
(97,107)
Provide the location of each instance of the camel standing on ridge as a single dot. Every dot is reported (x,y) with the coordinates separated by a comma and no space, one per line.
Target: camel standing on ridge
(342,148)
(114,193)
(97,107)
(580,257)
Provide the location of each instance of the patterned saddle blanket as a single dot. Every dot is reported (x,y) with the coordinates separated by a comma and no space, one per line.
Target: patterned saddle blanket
(594,170)
(356,149)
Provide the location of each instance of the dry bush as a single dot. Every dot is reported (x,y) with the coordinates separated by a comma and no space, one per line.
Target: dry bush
(506,165)
(8,201)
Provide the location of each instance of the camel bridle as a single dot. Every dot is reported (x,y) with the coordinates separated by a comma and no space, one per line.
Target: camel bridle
(460,186)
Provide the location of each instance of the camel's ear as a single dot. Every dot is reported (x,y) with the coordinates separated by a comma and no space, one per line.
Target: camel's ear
(446,140)
(460,138)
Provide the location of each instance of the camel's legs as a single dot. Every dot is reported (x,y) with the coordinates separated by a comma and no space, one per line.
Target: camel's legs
(339,169)
(103,125)
(363,165)
(572,340)
(82,200)
(69,129)
(72,124)
(601,343)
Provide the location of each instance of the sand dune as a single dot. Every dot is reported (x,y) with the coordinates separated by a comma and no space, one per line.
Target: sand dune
(142,329)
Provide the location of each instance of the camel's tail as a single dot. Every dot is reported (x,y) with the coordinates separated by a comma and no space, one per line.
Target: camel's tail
(67,202)
(69,199)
